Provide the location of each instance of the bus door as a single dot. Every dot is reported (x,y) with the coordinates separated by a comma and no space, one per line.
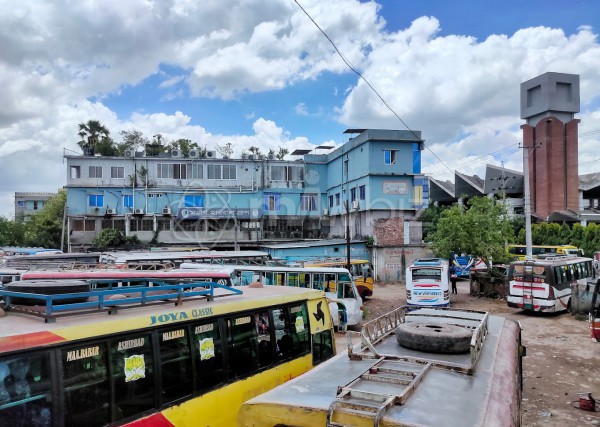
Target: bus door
(528,286)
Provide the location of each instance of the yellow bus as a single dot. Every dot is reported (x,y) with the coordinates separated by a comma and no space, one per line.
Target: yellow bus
(520,251)
(190,361)
(361,271)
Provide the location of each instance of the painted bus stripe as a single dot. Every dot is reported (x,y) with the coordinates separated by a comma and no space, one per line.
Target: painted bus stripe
(35,339)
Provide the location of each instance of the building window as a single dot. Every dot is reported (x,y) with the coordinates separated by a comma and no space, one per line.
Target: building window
(95,171)
(213,171)
(194,171)
(271,202)
(287,173)
(21,203)
(179,171)
(163,225)
(229,172)
(361,192)
(141,224)
(75,172)
(193,201)
(163,170)
(128,201)
(353,194)
(117,172)
(83,225)
(390,156)
(171,170)
(95,200)
(308,202)
(330,201)
(346,167)
(337,199)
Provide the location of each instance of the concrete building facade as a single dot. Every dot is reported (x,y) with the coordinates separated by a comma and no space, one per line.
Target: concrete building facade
(373,178)
(30,203)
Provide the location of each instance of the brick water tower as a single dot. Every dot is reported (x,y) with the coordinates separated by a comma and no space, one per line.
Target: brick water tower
(550,141)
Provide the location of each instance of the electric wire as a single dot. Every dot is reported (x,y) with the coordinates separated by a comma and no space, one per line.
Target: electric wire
(359,74)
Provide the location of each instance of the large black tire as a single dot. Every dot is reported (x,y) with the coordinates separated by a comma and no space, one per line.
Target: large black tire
(48,287)
(434,337)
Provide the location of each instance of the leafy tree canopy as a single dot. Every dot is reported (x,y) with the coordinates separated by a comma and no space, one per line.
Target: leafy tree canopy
(481,229)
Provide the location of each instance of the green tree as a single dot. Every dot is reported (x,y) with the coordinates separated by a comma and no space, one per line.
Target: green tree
(12,233)
(107,147)
(481,229)
(111,238)
(282,153)
(131,140)
(226,150)
(430,218)
(254,150)
(185,145)
(45,227)
(90,134)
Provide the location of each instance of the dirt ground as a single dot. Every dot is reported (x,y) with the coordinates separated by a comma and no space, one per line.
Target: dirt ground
(561,358)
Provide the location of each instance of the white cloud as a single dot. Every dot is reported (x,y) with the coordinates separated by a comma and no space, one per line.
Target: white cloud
(463,94)
(301,109)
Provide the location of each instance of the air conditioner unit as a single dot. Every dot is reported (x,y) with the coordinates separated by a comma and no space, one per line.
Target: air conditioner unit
(325,212)
(211,154)
(355,204)
(138,212)
(271,156)
(251,156)
(129,153)
(193,153)
(166,211)
(110,211)
(175,153)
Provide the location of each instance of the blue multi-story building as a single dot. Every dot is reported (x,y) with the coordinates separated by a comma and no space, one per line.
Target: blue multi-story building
(373,177)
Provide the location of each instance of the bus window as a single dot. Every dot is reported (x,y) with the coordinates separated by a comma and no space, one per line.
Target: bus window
(133,374)
(25,391)
(176,364)
(293,279)
(208,356)
(330,282)
(249,343)
(319,281)
(299,329)
(344,288)
(322,347)
(304,281)
(86,385)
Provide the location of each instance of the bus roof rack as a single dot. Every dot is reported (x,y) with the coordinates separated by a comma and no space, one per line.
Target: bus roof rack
(108,300)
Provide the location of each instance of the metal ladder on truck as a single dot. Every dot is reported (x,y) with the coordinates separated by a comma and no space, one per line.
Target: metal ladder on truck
(394,381)
(528,285)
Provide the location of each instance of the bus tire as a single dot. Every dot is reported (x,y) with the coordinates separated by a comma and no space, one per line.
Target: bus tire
(434,337)
(48,287)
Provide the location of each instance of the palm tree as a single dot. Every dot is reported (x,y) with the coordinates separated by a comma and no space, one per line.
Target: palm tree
(90,134)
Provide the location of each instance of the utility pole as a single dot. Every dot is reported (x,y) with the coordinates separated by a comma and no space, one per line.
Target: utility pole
(348,264)
(527,200)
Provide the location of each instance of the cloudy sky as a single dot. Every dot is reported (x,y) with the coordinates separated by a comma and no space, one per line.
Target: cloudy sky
(259,72)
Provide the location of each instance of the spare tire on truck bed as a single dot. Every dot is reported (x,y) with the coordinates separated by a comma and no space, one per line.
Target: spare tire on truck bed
(48,287)
(433,337)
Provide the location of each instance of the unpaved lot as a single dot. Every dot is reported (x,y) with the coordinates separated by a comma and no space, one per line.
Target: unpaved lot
(561,358)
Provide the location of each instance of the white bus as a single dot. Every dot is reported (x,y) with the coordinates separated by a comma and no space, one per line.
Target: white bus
(544,284)
(427,283)
(337,283)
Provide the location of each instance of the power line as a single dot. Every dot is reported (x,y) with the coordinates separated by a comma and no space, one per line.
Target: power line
(351,67)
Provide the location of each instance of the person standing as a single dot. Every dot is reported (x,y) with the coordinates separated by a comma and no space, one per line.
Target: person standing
(453,280)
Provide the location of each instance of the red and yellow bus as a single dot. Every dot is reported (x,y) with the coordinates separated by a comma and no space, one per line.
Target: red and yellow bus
(188,362)
(125,276)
